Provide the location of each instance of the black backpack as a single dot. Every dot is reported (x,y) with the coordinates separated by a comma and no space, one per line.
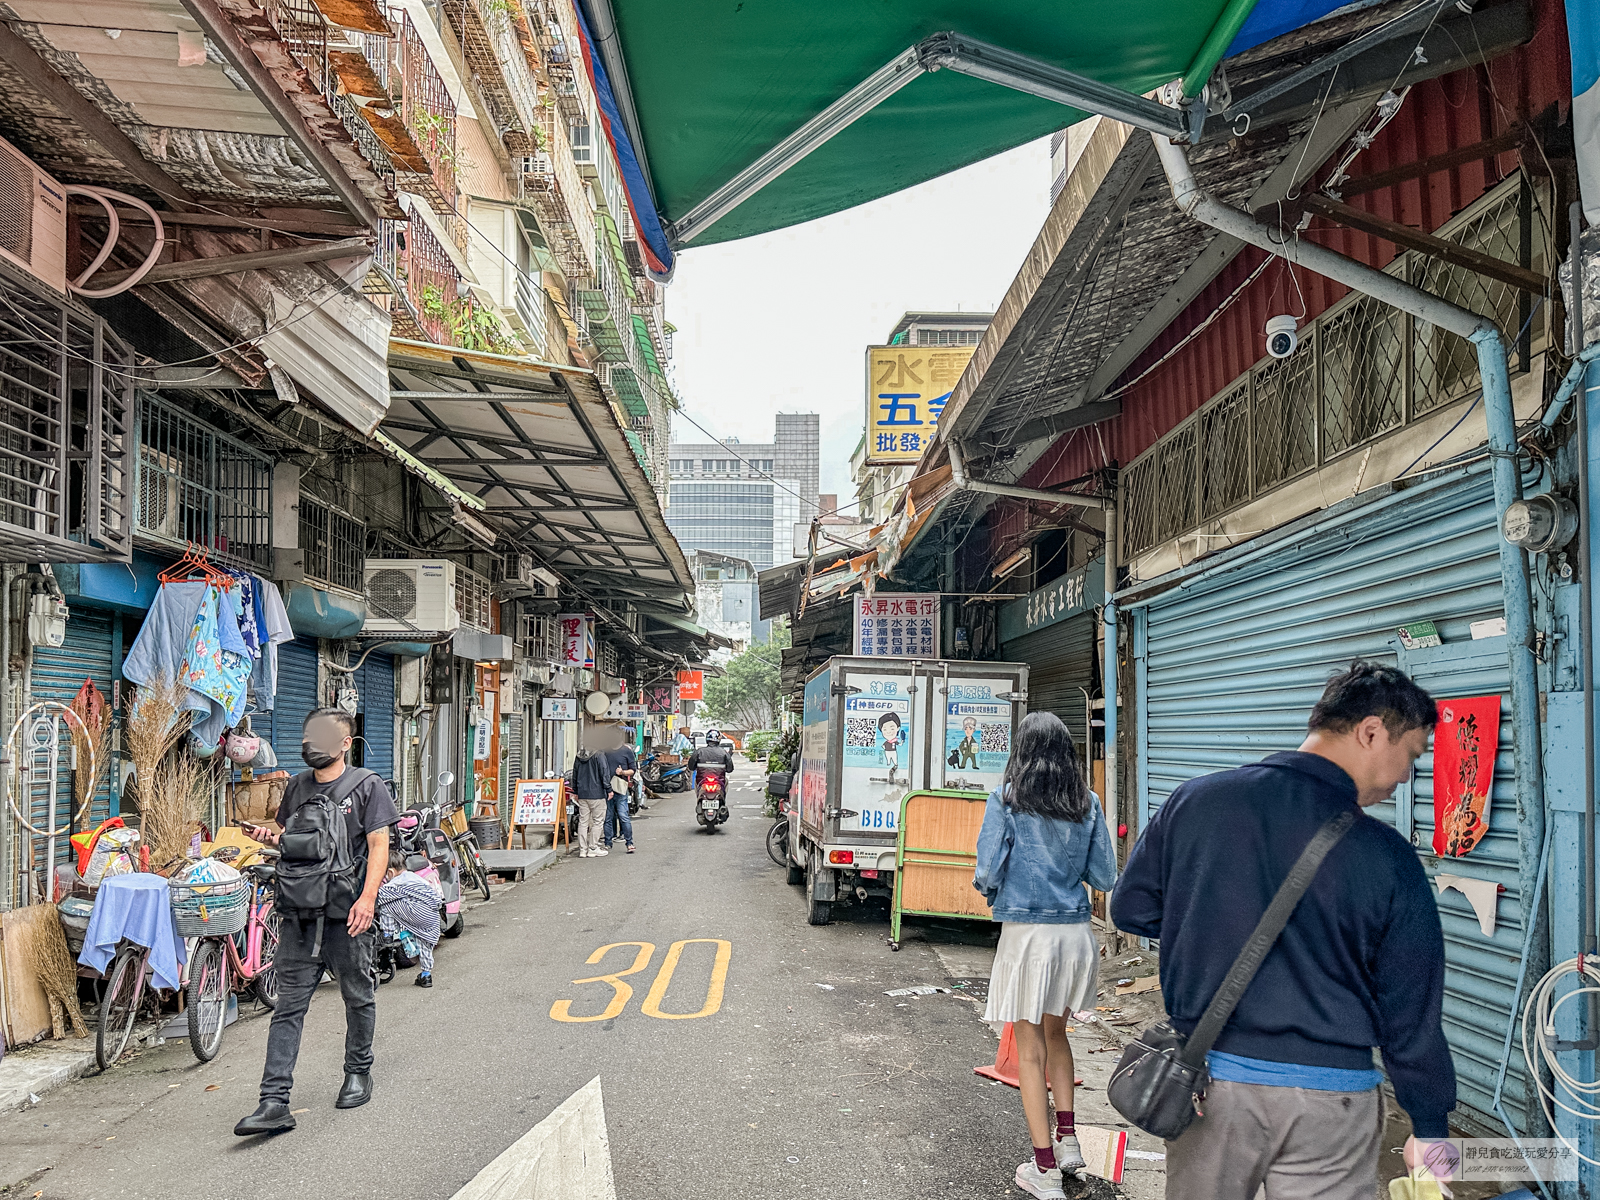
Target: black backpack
(317,876)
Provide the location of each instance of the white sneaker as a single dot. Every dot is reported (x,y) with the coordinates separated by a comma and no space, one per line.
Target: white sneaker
(598,853)
(583,854)
(1044,1184)
(1069,1155)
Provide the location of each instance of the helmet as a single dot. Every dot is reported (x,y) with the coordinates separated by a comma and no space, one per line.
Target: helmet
(242,748)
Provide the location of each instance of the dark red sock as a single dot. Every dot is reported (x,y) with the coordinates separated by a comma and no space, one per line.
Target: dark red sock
(1064,1126)
(1045,1159)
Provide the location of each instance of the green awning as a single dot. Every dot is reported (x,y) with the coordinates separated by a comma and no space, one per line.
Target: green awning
(641,334)
(706,88)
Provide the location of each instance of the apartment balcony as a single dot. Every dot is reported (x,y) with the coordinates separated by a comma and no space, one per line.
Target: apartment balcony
(497,45)
(550,185)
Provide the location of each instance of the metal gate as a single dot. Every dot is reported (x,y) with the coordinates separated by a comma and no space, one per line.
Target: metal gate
(58,673)
(1229,664)
(297,696)
(1060,662)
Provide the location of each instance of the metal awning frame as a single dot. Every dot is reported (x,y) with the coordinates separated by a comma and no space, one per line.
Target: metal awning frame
(967,56)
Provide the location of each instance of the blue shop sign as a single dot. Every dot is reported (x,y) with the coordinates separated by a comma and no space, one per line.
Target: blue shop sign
(1074,593)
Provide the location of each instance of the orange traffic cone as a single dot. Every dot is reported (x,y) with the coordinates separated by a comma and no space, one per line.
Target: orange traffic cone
(1005,1062)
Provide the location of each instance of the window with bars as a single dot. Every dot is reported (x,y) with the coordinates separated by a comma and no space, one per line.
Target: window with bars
(948,337)
(332,544)
(1362,369)
(541,638)
(196,484)
(66,407)
(472,599)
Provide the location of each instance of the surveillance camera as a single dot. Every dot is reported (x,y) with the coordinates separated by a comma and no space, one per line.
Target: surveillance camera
(1283,336)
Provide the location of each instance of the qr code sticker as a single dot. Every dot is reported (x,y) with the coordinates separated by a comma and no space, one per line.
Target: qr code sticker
(861,731)
(996,739)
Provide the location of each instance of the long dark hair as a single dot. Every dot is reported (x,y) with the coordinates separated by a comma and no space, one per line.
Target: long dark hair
(1042,775)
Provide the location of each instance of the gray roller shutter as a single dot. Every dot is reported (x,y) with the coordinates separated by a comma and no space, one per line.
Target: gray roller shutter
(1060,661)
(1229,665)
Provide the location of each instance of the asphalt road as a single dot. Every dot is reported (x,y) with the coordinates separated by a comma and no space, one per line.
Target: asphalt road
(806,1080)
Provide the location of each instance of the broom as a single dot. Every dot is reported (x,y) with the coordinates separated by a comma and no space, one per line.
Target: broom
(51,961)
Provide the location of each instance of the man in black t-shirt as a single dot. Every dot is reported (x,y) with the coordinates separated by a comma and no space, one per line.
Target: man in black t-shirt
(347,946)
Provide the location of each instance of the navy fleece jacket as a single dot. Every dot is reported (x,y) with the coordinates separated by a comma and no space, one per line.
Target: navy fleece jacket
(1361,961)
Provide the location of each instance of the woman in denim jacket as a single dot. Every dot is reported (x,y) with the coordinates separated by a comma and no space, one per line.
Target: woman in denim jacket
(1043,837)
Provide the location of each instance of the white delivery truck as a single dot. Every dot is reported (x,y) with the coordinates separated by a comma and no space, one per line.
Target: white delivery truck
(873,730)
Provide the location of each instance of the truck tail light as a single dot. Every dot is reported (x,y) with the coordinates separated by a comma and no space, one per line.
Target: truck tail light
(844,857)
(873,874)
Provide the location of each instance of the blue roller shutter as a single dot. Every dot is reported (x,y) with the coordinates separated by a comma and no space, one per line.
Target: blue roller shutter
(58,673)
(297,696)
(375,685)
(1230,663)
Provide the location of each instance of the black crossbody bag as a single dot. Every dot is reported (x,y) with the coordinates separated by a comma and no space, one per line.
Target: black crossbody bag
(1161,1077)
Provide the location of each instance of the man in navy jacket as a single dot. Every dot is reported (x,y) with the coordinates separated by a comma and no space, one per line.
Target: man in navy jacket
(1293,1101)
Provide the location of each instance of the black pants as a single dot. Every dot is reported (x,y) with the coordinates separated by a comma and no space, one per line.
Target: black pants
(349,958)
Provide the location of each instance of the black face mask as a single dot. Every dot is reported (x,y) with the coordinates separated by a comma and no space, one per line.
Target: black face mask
(316,759)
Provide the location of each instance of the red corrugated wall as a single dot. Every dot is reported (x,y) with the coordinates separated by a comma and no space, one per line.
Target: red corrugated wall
(1468,106)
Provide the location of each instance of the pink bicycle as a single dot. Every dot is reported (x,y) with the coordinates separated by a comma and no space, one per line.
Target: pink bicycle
(237,928)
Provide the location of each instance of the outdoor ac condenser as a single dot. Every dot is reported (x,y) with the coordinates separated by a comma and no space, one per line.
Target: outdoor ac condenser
(410,595)
(33,219)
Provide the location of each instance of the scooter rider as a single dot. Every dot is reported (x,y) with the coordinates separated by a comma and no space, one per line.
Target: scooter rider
(713,756)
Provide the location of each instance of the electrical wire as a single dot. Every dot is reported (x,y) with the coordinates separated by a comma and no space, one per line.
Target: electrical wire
(1539,1029)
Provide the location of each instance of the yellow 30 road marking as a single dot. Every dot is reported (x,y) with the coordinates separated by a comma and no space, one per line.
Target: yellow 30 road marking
(719,978)
(561,1010)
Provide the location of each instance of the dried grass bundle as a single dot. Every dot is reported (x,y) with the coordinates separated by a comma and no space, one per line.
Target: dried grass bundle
(51,960)
(90,739)
(168,779)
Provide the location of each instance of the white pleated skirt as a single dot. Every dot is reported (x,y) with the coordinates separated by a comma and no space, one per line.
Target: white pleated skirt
(1042,969)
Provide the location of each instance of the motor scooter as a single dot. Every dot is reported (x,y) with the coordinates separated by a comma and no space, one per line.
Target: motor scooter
(711,800)
(662,777)
(430,854)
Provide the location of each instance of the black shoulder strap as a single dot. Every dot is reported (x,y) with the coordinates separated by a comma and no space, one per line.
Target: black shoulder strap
(349,782)
(1266,932)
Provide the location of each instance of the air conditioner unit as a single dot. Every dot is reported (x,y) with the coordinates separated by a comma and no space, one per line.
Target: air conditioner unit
(408,595)
(160,510)
(33,219)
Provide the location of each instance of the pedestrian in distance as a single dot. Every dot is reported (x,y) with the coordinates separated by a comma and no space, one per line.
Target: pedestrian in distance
(591,784)
(1043,838)
(623,763)
(333,831)
(1293,1101)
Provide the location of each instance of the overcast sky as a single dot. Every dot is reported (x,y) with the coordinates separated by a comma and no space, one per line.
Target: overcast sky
(781,322)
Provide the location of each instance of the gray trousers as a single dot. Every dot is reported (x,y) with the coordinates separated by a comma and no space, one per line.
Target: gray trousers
(1295,1143)
(349,958)
(591,815)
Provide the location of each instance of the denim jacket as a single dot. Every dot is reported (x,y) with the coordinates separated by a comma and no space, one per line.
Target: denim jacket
(1031,869)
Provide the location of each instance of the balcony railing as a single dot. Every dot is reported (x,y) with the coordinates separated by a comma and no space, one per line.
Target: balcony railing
(66,407)
(430,281)
(428,108)
(197,484)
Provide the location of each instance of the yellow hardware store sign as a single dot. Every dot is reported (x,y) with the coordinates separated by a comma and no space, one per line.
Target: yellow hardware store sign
(907,387)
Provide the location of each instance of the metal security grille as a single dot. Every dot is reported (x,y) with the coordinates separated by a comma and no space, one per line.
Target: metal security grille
(197,484)
(66,399)
(1361,370)
(473,592)
(332,543)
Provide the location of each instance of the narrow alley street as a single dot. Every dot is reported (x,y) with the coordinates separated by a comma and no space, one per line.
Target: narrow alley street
(806,1079)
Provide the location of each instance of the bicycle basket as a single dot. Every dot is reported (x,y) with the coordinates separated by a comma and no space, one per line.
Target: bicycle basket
(210,909)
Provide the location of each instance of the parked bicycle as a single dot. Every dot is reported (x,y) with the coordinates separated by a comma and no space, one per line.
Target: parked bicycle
(119,1002)
(237,928)
(469,859)
(778,836)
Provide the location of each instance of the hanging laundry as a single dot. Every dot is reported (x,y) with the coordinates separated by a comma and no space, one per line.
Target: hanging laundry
(249,626)
(216,665)
(162,647)
(276,631)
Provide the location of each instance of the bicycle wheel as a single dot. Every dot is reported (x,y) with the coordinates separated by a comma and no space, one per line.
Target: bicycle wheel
(265,983)
(119,1006)
(478,874)
(206,998)
(778,842)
